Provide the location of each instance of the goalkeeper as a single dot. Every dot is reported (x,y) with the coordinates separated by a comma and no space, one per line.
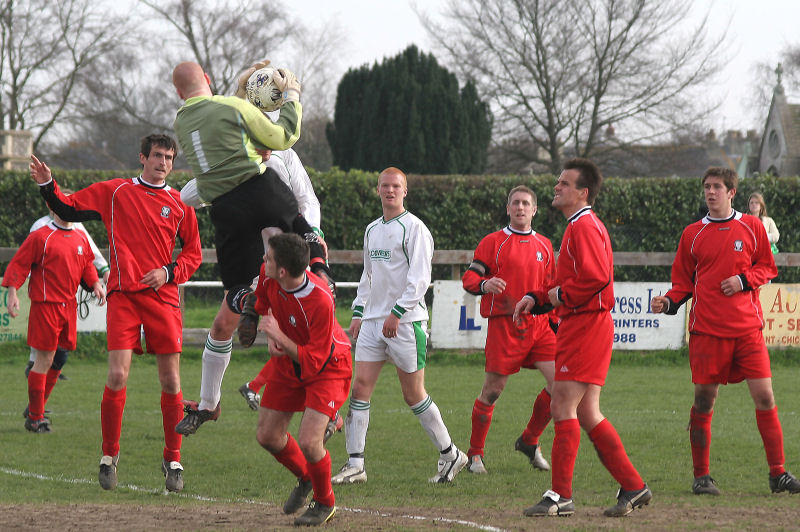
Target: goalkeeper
(220,136)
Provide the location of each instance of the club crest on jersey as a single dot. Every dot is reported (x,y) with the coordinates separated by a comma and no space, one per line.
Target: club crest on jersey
(539,256)
(165,211)
(80,250)
(292,321)
(737,245)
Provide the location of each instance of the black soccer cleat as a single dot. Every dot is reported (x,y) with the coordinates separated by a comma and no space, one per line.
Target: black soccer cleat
(195,417)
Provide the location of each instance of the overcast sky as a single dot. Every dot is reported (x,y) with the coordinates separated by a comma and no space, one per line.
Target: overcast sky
(758,31)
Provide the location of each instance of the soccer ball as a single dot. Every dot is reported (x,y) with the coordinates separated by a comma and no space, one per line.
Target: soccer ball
(261,90)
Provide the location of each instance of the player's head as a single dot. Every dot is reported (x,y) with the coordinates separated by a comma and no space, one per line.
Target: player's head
(589,177)
(392,188)
(288,251)
(156,156)
(756,205)
(190,80)
(521,207)
(163,141)
(729,177)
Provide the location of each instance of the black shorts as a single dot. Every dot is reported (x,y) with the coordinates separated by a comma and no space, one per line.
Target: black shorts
(240,215)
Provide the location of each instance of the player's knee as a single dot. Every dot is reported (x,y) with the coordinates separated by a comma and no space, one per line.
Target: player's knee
(704,401)
(491,396)
(59,359)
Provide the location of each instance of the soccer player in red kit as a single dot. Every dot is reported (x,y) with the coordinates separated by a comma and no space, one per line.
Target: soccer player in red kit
(58,258)
(721,262)
(583,296)
(143,216)
(309,371)
(506,264)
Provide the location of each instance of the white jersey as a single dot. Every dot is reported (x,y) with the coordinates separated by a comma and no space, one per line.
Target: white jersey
(291,171)
(397,262)
(100,263)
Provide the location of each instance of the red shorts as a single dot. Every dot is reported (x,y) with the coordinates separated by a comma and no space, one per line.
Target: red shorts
(716,360)
(511,346)
(324,395)
(583,347)
(52,325)
(129,312)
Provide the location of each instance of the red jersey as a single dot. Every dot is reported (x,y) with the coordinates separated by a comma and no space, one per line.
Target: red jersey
(142,222)
(585,270)
(524,260)
(306,316)
(711,251)
(56,259)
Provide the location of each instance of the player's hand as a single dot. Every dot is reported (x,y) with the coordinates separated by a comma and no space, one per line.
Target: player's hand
(274,349)
(731,285)
(659,304)
(13,303)
(106,276)
(155,279)
(523,306)
(553,296)
(269,326)
(264,154)
(241,83)
(40,171)
(390,326)
(495,285)
(288,84)
(99,292)
(355,328)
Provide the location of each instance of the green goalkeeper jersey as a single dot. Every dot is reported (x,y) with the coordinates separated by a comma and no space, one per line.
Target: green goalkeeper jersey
(220,135)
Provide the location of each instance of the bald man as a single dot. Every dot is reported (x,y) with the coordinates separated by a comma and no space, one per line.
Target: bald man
(221,137)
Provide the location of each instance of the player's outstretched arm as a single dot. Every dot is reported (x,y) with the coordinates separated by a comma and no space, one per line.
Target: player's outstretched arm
(40,172)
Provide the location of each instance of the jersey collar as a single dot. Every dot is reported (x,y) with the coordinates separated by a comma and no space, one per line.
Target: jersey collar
(511,231)
(735,215)
(139,181)
(581,212)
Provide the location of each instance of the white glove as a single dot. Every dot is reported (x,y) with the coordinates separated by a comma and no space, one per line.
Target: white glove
(288,84)
(241,90)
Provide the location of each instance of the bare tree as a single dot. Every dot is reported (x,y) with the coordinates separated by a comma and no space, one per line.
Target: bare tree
(560,72)
(46,46)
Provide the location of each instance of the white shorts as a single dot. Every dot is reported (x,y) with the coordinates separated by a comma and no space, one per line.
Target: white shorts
(407,350)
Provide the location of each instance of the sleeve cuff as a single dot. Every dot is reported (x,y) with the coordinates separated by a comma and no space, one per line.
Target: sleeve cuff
(358,311)
(398,311)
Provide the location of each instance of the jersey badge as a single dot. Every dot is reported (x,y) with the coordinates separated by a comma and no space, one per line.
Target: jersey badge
(80,250)
(165,211)
(737,245)
(381,255)
(331,404)
(564,369)
(292,321)
(539,256)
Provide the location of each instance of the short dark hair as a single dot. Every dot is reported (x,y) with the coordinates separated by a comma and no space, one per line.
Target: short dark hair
(164,141)
(526,190)
(589,176)
(728,176)
(291,252)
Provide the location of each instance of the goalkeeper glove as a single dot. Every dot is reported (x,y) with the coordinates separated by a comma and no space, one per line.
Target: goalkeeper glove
(288,84)
(241,84)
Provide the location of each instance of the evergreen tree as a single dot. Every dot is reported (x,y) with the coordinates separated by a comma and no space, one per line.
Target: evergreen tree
(409,112)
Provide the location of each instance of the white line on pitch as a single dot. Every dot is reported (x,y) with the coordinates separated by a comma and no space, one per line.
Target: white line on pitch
(38,476)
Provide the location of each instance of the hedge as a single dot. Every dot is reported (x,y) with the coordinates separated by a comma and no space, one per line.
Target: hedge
(642,214)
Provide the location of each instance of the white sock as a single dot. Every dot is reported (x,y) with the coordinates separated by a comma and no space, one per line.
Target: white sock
(216,356)
(33,356)
(355,431)
(431,420)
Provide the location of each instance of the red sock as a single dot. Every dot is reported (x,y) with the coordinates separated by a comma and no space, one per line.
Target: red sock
(565,449)
(261,379)
(321,480)
(539,418)
(700,439)
(171,414)
(292,458)
(111,409)
(481,421)
(612,453)
(772,435)
(52,378)
(36,387)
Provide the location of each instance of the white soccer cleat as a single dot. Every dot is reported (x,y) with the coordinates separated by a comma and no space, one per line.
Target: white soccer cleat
(349,474)
(448,469)
(476,465)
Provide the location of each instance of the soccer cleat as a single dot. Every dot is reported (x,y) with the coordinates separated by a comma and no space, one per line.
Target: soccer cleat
(40,426)
(552,504)
(315,515)
(253,399)
(475,465)
(173,474)
(534,454)
(628,501)
(27,411)
(705,485)
(448,469)
(62,377)
(195,417)
(784,482)
(108,472)
(334,425)
(248,321)
(350,475)
(297,498)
